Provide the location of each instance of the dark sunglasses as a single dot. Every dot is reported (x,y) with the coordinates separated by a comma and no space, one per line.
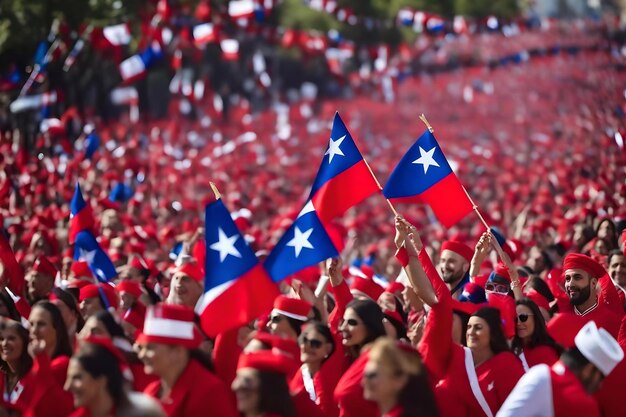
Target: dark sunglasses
(496,288)
(523,317)
(314,343)
(276,319)
(351,322)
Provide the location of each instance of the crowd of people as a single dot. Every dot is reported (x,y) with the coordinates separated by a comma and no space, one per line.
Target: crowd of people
(527,319)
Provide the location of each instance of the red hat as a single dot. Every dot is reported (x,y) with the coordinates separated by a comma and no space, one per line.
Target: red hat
(460,248)
(265,361)
(106,343)
(137,262)
(292,307)
(366,287)
(100,290)
(284,345)
(465,307)
(389,314)
(538,299)
(584,262)
(502,271)
(81,269)
(43,265)
(130,287)
(171,325)
(192,270)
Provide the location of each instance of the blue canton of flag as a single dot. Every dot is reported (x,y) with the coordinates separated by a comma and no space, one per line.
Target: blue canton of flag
(304,244)
(87,248)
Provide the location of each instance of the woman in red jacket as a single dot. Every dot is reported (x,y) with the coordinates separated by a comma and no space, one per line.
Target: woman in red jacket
(261,385)
(361,324)
(28,388)
(169,349)
(95,379)
(321,367)
(395,378)
(532,343)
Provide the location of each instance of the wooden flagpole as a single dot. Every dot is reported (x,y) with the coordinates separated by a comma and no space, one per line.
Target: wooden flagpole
(217,193)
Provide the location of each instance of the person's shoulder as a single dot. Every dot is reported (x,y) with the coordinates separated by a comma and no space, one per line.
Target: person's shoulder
(141,405)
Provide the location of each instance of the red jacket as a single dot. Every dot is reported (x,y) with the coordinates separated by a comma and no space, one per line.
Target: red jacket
(196,393)
(37,394)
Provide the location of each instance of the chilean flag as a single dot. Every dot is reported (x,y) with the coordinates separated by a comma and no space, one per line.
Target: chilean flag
(87,248)
(81,215)
(343,179)
(237,288)
(424,176)
(304,244)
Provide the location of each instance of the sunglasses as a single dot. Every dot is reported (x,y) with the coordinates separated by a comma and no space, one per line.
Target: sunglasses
(523,318)
(314,343)
(351,322)
(276,319)
(496,288)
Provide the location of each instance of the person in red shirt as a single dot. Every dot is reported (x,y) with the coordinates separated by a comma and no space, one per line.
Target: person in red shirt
(395,378)
(261,385)
(532,343)
(582,274)
(321,367)
(27,384)
(480,376)
(95,379)
(565,388)
(169,349)
(361,324)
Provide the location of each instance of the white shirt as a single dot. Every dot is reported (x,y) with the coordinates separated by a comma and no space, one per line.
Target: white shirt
(532,396)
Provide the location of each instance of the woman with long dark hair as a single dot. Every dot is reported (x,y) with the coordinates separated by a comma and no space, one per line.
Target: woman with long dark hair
(95,379)
(358,323)
(67,304)
(47,326)
(478,376)
(321,366)
(261,386)
(28,390)
(396,380)
(532,343)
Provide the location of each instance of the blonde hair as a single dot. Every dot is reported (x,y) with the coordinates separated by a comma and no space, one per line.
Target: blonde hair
(400,357)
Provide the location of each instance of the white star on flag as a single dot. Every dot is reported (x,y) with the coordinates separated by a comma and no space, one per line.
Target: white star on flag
(426,159)
(300,240)
(333,148)
(87,256)
(225,245)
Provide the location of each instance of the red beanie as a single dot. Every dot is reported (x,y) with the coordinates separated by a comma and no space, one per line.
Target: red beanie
(460,248)
(367,287)
(585,263)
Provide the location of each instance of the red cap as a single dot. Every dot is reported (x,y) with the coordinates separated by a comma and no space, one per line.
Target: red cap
(43,265)
(130,287)
(171,325)
(284,345)
(192,270)
(394,287)
(99,290)
(538,299)
(584,262)
(502,271)
(265,361)
(460,248)
(81,269)
(292,307)
(367,287)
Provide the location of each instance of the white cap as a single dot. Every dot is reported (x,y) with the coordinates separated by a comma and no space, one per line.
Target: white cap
(599,347)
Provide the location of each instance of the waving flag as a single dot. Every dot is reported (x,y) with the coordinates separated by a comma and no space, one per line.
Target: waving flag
(86,248)
(305,243)
(424,175)
(236,287)
(343,179)
(81,216)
